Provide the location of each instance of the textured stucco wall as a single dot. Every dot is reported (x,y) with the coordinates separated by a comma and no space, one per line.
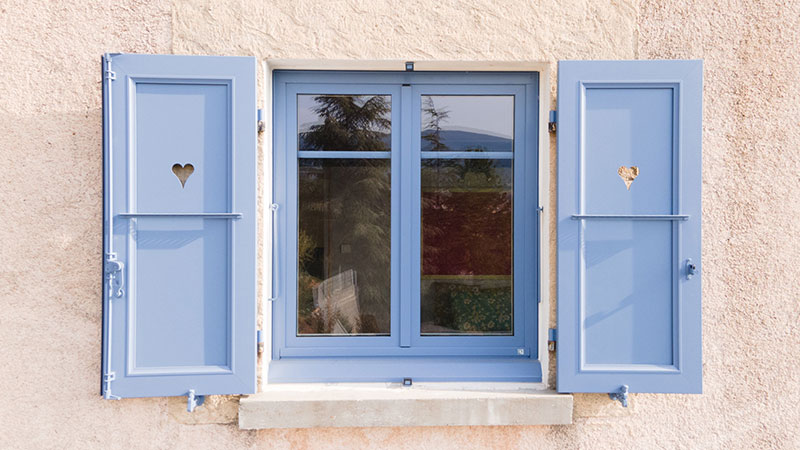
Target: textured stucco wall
(50,204)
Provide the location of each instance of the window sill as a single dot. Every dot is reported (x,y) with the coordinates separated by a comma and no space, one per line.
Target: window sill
(391,405)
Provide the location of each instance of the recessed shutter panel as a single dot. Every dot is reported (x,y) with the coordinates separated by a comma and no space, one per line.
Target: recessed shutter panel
(180,225)
(629,138)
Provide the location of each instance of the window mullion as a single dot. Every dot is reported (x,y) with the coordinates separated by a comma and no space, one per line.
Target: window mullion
(406,215)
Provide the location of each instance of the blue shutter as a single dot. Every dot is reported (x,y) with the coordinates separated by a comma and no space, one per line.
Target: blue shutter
(629,138)
(180,225)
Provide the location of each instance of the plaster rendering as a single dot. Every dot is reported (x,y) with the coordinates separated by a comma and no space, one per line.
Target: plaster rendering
(51,197)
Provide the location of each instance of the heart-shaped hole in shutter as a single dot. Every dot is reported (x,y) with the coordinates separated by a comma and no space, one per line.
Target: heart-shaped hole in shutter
(628,174)
(182,172)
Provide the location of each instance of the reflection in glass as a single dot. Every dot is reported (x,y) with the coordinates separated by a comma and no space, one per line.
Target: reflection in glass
(344,122)
(467,225)
(468,123)
(344,243)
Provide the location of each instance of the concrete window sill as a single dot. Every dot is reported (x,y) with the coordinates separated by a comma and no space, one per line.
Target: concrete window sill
(391,405)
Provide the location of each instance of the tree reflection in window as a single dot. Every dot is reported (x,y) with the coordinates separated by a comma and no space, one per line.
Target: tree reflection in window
(344,245)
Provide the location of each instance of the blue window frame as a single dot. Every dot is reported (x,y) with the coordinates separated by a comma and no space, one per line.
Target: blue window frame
(453,294)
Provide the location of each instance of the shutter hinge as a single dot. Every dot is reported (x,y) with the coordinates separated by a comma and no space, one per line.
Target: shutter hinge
(109,74)
(260,120)
(108,377)
(621,395)
(115,278)
(193,401)
(259,341)
(551,125)
(551,339)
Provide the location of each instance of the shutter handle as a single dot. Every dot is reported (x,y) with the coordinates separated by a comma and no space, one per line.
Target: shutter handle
(691,269)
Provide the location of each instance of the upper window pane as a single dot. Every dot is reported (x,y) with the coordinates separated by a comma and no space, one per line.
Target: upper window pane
(467,123)
(344,122)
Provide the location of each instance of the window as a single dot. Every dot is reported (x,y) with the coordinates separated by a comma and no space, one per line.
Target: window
(407,243)
(407,232)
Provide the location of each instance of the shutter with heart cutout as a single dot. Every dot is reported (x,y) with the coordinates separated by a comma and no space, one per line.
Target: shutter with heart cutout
(180,226)
(629,138)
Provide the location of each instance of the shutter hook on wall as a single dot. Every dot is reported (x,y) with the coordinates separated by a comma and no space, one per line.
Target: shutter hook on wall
(193,401)
(621,395)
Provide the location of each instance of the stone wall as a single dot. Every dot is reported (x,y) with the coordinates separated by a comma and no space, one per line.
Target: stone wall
(51,204)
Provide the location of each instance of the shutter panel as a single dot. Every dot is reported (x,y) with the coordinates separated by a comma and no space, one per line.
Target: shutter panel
(180,225)
(629,138)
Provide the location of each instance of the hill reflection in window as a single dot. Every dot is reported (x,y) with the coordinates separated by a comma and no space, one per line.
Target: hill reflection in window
(467,216)
(471,123)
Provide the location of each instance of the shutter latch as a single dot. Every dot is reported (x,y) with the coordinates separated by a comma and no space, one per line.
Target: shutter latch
(114,276)
(193,401)
(621,395)
(691,269)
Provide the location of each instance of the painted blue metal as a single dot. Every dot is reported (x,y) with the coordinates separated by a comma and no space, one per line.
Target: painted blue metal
(632,216)
(467,155)
(433,368)
(293,356)
(343,154)
(189,281)
(626,314)
(180,215)
(193,400)
(621,395)
(691,268)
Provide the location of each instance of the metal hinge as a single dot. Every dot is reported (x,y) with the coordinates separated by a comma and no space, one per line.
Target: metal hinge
(115,278)
(109,74)
(260,120)
(108,377)
(259,341)
(621,395)
(551,125)
(193,401)
(551,339)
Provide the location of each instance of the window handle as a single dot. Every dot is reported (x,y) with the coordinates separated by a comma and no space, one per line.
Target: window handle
(273,289)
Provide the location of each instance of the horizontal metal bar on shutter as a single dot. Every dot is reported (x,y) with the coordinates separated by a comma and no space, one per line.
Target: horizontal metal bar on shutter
(631,216)
(199,215)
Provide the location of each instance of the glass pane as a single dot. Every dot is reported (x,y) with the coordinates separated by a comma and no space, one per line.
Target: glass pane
(344,259)
(344,122)
(467,123)
(467,224)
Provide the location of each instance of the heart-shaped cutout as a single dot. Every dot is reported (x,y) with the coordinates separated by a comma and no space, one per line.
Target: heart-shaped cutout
(182,172)
(628,174)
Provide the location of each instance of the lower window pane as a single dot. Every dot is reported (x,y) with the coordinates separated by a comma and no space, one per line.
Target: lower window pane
(344,243)
(467,225)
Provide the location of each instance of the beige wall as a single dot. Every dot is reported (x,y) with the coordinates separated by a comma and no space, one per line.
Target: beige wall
(50,204)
